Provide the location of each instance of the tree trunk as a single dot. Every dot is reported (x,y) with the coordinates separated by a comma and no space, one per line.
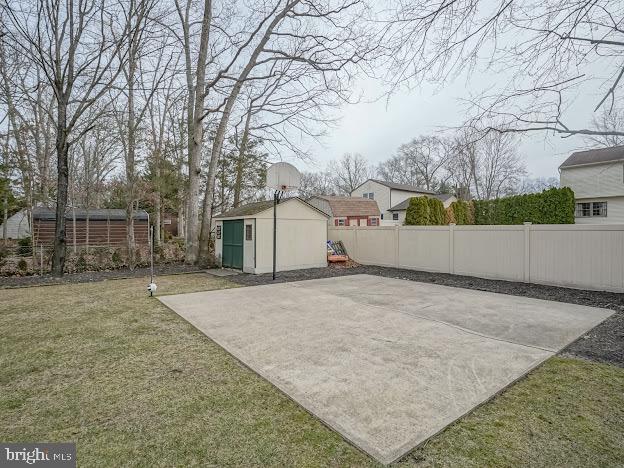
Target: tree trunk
(196,136)
(5,214)
(240,164)
(62,182)
(217,146)
(157,219)
(5,198)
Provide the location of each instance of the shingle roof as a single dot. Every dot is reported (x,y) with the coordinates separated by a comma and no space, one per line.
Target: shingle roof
(45,213)
(251,209)
(593,156)
(405,187)
(247,210)
(405,203)
(351,206)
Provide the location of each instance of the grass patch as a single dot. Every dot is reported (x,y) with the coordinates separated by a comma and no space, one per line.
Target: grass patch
(133,384)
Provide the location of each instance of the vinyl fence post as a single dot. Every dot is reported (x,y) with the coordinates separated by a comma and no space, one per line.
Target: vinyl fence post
(41,256)
(452,248)
(527,252)
(396,246)
(355,242)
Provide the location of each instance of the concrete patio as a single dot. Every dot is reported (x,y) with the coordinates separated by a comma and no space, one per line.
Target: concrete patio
(387,363)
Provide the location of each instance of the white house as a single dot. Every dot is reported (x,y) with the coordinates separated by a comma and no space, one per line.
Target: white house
(388,195)
(398,211)
(597,178)
(347,211)
(17,226)
(244,236)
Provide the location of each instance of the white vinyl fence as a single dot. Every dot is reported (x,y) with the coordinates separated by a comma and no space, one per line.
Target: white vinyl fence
(577,256)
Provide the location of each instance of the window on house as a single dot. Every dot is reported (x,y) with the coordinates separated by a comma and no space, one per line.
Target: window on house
(371,196)
(587,209)
(374,222)
(341,222)
(248,232)
(395,216)
(381,215)
(583,210)
(599,208)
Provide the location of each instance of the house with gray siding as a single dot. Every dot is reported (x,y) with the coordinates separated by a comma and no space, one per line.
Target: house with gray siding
(597,179)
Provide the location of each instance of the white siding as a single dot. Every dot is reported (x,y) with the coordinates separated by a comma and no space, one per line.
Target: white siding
(381,195)
(615,211)
(301,239)
(598,180)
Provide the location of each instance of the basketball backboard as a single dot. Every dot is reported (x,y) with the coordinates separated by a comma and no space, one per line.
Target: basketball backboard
(283,176)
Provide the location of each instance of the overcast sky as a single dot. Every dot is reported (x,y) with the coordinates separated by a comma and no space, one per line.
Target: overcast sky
(376,129)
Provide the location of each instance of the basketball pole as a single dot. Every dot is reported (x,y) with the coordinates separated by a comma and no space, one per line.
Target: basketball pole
(276,199)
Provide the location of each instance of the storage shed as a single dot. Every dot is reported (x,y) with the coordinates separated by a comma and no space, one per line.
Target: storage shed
(95,227)
(244,236)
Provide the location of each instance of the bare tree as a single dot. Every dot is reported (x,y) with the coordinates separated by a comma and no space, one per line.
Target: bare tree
(488,166)
(317,183)
(426,155)
(350,171)
(70,41)
(544,54)
(399,170)
(608,120)
(325,37)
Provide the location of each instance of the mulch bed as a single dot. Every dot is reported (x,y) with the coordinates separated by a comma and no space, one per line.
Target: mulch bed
(604,343)
(93,276)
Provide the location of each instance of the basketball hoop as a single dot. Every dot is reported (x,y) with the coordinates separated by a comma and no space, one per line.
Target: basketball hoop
(282,177)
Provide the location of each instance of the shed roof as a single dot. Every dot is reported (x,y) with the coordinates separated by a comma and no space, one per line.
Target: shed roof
(351,206)
(594,156)
(254,208)
(395,186)
(405,203)
(45,213)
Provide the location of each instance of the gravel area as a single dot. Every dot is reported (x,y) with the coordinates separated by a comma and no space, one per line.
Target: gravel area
(604,343)
(92,276)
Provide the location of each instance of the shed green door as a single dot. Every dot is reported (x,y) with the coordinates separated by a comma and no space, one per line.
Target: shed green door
(233,244)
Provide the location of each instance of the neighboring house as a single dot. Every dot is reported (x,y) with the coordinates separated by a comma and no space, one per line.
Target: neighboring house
(388,195)
(96,227)
(17,226)
(597,179)
(347,211)
(398,211)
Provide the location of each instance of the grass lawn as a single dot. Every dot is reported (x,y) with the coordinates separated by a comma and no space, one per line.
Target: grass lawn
(133,384)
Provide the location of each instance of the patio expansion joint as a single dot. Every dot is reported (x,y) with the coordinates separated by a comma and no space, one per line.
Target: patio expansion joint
(442,322)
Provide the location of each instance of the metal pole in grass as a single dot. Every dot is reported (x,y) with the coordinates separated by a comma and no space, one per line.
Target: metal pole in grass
(152,286)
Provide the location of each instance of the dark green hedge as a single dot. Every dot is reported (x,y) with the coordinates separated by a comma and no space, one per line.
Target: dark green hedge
(552,206)
(417,213)
(436,212)
(462,212)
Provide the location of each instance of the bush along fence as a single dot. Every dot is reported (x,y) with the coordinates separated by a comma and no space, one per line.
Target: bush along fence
(552,206)
(573,255)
